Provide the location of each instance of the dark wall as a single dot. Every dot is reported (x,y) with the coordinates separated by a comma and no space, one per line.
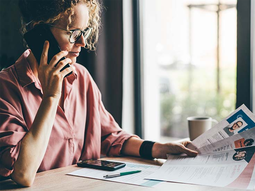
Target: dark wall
(11,43)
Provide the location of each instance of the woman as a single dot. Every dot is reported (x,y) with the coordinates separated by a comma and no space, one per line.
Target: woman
(48,120)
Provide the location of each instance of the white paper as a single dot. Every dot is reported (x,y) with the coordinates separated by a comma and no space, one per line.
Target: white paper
(219,169)
(219,131)
(243,139)
(136,179)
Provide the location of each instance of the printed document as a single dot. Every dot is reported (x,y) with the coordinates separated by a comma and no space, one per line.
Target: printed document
(136,179)
(232,169)
(242,119)
(243,139)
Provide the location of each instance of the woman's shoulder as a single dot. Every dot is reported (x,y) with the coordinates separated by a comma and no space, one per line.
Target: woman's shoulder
(82,71)
(85,77)
(21,62)
(16,73)
(7,74)
(9,84)
(80,68)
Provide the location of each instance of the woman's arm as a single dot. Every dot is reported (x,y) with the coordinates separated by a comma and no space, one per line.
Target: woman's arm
(35,142)
(159,150)
(131,146)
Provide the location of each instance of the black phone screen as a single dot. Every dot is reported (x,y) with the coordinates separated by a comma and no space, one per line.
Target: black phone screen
(101,164)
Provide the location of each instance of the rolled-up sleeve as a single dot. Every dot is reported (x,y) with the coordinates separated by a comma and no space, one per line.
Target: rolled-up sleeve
(102,133)
(113,137)
(12,130)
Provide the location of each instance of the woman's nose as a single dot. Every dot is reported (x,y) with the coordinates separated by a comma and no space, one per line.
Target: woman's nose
(81,42)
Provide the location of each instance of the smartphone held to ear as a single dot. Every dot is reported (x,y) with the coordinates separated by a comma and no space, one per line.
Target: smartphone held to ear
(36,38)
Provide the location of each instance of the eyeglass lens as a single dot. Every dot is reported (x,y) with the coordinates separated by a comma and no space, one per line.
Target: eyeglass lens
(77,34)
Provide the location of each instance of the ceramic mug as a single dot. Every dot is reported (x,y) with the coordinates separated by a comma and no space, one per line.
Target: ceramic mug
(198,125)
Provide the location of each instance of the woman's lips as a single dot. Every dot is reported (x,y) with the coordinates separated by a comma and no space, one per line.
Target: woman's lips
(75,54)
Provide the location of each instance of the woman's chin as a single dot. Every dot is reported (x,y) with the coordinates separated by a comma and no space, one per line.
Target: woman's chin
(73,60)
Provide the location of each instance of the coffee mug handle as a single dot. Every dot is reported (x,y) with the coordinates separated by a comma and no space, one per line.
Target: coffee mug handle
(215,121)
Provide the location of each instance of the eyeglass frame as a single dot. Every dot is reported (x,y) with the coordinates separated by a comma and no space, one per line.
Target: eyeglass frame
(71,32)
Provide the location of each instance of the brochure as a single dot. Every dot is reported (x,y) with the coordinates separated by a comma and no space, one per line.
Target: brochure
(231,169)
(226,155)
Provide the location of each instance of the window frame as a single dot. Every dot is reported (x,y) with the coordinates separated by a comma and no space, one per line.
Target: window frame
(244,55)
(253,51)
(245,60)
(138,98)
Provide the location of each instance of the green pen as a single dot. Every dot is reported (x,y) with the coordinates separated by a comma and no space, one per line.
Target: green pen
(121,174)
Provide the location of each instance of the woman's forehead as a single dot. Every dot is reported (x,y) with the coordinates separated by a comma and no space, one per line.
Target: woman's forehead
(79,18)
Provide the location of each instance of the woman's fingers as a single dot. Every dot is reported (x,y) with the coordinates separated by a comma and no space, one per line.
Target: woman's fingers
(179,148)
(62,64)
(44,55)
(67,71)
(51,74)
(188,151)
(185,143)
(62,69)
(56,64)
(54,61)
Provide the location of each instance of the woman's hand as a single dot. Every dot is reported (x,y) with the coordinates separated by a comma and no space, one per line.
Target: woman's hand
(161,150)
(50,76)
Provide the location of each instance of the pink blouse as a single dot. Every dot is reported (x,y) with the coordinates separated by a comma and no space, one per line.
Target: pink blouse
(83,129)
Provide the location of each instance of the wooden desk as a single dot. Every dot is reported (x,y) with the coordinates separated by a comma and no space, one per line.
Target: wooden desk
(56,179)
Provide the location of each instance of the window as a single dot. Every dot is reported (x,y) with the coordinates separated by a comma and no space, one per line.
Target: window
(188,61)
(253,51)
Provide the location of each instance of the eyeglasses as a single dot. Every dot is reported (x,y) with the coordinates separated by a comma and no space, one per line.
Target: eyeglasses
(76,33)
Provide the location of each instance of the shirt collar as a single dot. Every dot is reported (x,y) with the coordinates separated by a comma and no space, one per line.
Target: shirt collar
(24,71)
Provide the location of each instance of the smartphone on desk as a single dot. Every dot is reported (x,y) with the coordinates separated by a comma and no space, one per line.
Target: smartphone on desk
(101,164)
(35,39)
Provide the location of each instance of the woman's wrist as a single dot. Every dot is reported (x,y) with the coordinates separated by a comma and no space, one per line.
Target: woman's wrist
(158,150)
(145,150)
(51,98)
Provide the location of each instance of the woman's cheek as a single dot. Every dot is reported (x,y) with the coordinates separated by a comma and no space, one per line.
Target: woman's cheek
(65,46)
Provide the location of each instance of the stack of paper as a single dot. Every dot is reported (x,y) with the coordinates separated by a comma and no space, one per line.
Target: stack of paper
(135,179)
(226,156)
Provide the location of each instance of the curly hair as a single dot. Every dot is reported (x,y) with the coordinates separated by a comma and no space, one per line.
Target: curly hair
(50,11)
